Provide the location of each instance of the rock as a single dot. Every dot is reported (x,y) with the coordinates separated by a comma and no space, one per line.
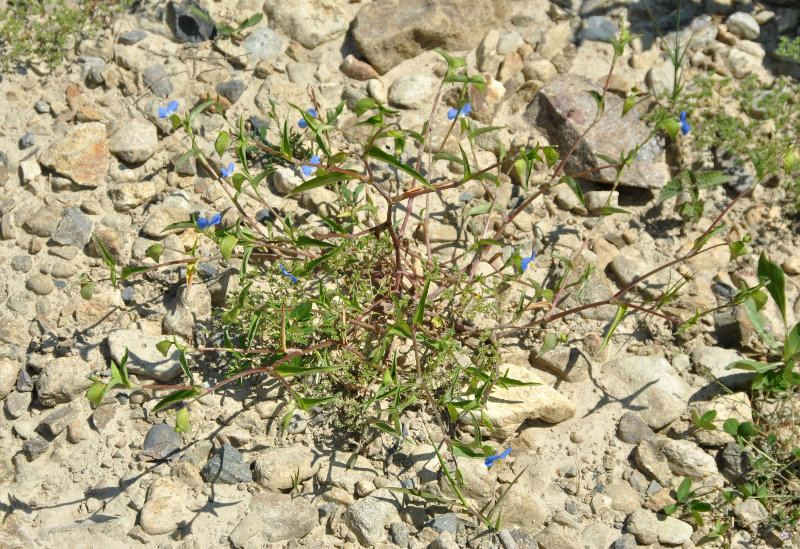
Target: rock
(751,513)
(564,109)
(114,241)
(447,522)
(413,91)
(144,359)
(687,459)
(643,524)
(74,229)
(275,468)
(337,474)
(161,216)
(743,25)
(649,384)
(161,442)
(556,537)
(300,74)
(286,517)
(623,497)
(419,25)
(164,510)
(285,179)
(652,462)
(566,362)
(368,517)
(444,541)
(672,531)
(742,64)
(262,44)
(62,380)
(102,416)
(355,68)
(227,466)
(525,508)
(540,69)
(186,309)
(92,70)
(399,534)
(81,155)
(596,201)
(509,408)
(306,21)
(188,26)
(24,381)
(231,90)
(9,370)
(131,37)
(17,404)
(134,142)
(35,447)
(713,360)
(248,528)
(56,421)
(43,222)
(26,141)
(126,196)
(599,28)
(735,462)
(633,429)
(157,79)
(625,542)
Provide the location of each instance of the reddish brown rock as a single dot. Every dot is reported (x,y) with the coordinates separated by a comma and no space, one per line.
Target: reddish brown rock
(355,68)
(81,155)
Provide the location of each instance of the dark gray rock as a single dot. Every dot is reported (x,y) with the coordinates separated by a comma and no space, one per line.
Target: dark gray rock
(398,533)
(626,541)
(92,70)
(74,229)
(186,25)
(231,90)
(21,263)
(3,168)
(419,25)
(227,466)
(132,37)
(56,421)
(26,141)
(564,109)
(35,447)
(633,429)
(24,381)
(157,79)
(445,523)
(598,28)
(161,442)
(734,463)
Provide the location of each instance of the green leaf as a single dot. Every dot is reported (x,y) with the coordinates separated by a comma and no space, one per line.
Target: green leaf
(612,210)
(758,321)
(378,154)
(304,241)
(789,161)
(364,104)
(251,21)
(154,252)
(185,365)
(479,209)
(320,181)
(96,392)
(163,346)
(629,103)
(551,155)
(87,288)
(753,366)
(226,246)
(419,316)
(576,189)
(701,241)
(288,370)
(767,270)
(488,242)
(731,426)
(670,509)
(684,490)
(614,323)
(177,396)
(550,342)
(598,98)
(399,328)
(737,249)
(672,188)
(671,126)
(182,424)
(792,343)
(462,450)
(307,403)
(128,271)
(710,179)
(221,144)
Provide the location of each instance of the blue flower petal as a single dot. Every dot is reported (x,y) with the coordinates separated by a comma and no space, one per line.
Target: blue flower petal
(203,223)
(466,109)
(227,172)
(172,106)
(307,170)
(290,275)
(489,461)
(683,116)
(313,113)
(302,123)
(527,261)
(216,219)
(162,112)
(452,113)
(685,127)
(505,453)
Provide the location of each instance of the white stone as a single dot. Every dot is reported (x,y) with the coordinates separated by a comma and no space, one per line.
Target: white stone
(413,91)
(164,510)
(743,25)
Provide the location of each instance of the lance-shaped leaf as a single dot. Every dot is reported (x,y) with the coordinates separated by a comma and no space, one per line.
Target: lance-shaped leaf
(177,396)
(378,154)
(614,323)
(320,181)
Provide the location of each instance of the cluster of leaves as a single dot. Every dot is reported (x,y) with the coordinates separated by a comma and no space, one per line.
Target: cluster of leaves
(38,30)
(772,439)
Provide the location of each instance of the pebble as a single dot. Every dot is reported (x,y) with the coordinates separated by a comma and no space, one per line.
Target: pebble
(367,517)
(42,107)
(17,404)
(304,21)
(81,155)
(35,447)
(227,467)
(743,25)
(413,91)
(9,372)
(62,380)
(56,421)
(286,516)
(132,37)
(158,80)
(134,142)
(21,263)
(263,44)
(672,531)
(360,70)
(164,511)
(599,28)
(161,442)
(270,467)
(40,284)
(27,140)
(633,429)
(74,228)
(231,90)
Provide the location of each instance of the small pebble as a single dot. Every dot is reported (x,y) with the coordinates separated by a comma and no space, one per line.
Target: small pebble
(42,107)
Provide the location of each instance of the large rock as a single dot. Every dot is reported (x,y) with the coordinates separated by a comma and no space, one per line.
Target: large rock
(275,468)
(62,380)
(143,357)
(509,408)
(564,109)
(164,510)
(309,22)
(81,155)
(227,467)
(687,459)
(134,142)
(74,229)
(419,25)
(187,25)
(9,370)
(649,385)
(368,517)
(284,516)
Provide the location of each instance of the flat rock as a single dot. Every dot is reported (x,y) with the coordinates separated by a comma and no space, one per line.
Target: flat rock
(9,371)
(144,359)
(633,429)
(164,510)
(56,421)
(368,517)
(74,229)
(286,517)
(134,142)
(161,442)
(62,380)
(81,155)
(413,91)
(564,109)
(509,408)
(687,459)
(275,468)
(227,467)
(262,44)
(672,531)
(307,21)
(158,80)
(649,385)
(419,25)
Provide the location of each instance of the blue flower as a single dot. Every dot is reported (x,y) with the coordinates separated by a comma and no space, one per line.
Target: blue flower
(302,122)
(171,107)
(685,126)
(290,275)
(308,169)
(527,261)
(228,172)
(203,223)
(464,111)
(489,461)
